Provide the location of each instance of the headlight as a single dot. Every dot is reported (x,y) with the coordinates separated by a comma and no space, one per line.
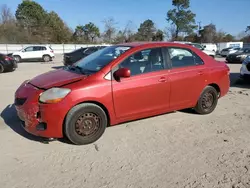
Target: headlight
(54,95)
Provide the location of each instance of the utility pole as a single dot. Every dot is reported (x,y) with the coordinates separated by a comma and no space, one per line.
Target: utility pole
(199,23)
(199,30)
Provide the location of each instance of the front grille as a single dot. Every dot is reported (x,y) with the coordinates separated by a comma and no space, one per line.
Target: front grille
(248,66)
(20,101)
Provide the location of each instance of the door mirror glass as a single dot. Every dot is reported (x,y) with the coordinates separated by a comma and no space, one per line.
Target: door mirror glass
(122,73)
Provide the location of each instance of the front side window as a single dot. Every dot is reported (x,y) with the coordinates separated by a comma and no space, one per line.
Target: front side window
(99,59)
(29,49)
(145,61)
(181,57)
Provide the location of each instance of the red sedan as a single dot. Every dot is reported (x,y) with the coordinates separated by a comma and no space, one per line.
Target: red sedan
(117,84)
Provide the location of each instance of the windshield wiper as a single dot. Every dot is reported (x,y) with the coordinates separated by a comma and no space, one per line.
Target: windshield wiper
(82,70)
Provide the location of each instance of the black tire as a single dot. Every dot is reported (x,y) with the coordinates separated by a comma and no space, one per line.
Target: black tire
(46,58)
(204,107)
(1,68)
(97,121)
(17,58)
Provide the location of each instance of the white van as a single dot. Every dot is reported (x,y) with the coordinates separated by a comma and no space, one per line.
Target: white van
(210,46)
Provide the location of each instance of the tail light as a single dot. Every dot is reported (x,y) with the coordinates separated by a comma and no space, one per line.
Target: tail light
(7,58)
(52,51)
(228,69)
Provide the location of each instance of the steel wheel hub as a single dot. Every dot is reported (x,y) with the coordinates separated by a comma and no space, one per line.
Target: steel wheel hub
(207,100)
(87,124)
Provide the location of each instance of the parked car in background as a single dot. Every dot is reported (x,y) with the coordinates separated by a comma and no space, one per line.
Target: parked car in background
(223,45)
(74,56)
(239,56)
(118,84)
(210,46)
(7,64)
(245,69)
(201,47)
(34,52)
(226,51)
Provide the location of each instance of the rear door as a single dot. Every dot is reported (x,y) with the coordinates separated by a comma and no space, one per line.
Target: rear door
(147,90)
(38,52)
(187,77)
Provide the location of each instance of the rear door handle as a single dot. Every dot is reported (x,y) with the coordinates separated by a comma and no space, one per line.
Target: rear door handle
(162,79)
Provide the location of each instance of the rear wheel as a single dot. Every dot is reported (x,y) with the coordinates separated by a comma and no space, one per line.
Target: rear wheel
(1,68)
(208,101)
(85,123)
(46,58)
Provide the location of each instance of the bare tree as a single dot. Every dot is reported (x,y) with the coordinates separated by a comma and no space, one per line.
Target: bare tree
(110,29)
(170,33)
(5,15)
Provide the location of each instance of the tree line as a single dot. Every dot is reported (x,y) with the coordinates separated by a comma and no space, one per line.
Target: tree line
(31,23)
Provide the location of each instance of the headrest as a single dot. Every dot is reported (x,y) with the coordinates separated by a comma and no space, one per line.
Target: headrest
(138,56)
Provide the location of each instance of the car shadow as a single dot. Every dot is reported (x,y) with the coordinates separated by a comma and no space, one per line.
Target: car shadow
(9,115)
(236,81)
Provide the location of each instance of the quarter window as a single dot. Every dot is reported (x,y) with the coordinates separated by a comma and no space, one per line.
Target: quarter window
(181,57)
(145,61)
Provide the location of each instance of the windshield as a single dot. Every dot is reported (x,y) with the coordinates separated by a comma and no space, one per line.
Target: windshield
(99,59)
(244,50)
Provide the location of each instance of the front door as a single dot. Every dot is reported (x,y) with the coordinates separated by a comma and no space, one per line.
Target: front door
(147,90)
(28,53)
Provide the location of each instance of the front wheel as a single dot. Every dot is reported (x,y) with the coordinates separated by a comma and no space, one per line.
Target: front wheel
(85,123)
(208,101)
(46,58)
(17,58)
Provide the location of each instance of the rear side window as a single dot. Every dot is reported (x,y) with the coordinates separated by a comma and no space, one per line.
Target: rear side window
(37,48)
(181,57)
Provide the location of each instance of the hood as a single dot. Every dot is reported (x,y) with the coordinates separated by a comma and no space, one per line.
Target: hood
(56,78)
(237,53)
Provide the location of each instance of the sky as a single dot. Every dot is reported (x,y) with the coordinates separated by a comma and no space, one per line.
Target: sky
(232,16)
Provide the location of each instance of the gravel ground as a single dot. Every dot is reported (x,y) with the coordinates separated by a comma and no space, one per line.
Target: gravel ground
(178,149)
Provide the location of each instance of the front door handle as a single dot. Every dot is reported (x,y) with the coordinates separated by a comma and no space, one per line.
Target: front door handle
(200,73)
(162,79)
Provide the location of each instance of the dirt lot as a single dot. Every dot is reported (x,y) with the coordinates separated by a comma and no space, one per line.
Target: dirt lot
(174,150)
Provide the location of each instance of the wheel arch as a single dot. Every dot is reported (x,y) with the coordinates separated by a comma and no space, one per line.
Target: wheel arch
(46,55)
(92,102)
(217,87)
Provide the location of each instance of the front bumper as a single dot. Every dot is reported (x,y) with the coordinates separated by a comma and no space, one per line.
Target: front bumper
(245,71)
(232,59)
(41,120)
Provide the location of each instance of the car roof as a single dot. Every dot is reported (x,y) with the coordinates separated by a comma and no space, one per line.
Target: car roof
(141,44)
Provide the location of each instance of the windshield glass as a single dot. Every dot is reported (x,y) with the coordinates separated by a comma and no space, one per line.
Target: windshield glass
(243,50)
(97,60)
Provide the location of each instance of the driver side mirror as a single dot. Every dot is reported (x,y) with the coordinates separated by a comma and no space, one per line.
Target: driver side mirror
(122,73)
